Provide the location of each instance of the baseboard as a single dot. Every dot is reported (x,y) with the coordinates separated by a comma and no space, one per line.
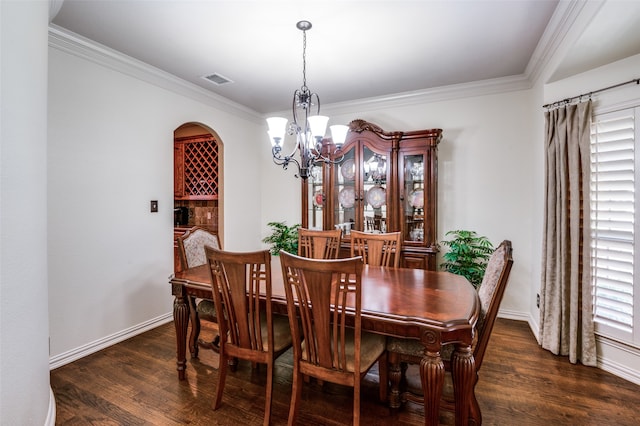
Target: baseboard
(513,315)
(51,413)
(618,359)
(82,351)
(521,316)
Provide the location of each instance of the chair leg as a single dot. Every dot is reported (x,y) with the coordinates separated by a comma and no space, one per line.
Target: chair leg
(269,394)
(394,375)
(356,402)
(222,375)
(383,374)
(296,395)
(195,328)
(475,415)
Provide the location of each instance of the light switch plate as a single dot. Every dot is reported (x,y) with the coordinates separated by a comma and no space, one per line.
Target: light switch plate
(154,206)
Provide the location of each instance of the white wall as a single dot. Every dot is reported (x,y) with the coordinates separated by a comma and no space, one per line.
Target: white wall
(487,162)
(24,368)
(110,153)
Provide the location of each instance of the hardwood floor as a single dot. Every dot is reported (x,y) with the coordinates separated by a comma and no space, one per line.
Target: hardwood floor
(135,383)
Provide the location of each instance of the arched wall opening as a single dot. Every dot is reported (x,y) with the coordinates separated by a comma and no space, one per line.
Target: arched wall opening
(198,180)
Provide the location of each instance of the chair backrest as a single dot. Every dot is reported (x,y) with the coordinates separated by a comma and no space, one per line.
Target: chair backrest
(377,249)
(238,279)
(321,289)
(318,244)
(191,246)
(490,293)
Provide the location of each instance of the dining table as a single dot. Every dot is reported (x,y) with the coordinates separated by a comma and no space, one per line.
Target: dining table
(435,307)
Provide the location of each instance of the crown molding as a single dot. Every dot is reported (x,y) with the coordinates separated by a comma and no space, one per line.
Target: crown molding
(74,44)
(567,23)
(561,24)
(436,94)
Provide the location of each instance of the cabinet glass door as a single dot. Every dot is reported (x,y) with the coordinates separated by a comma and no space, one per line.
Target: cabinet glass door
(316,201)
(344,191)
(374,190)
(414,193)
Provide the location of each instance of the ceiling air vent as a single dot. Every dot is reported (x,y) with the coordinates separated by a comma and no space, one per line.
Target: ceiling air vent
(217,79)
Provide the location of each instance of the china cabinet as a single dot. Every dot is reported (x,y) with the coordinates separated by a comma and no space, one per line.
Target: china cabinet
(383,182)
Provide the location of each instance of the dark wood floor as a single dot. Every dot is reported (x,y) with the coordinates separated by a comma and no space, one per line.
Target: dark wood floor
(135,383)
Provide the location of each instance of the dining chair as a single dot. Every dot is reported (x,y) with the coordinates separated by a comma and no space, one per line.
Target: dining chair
(382,249)
(490,294)
(191,253)
(321,296)
(319,244)
(249,330)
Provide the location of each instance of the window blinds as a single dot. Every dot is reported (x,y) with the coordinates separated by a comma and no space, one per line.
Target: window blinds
(612,219)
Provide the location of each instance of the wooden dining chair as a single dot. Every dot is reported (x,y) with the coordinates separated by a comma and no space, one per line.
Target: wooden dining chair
(377,249)
(249,330)
(490,294)
(191,253)
(321,295)
(318,244)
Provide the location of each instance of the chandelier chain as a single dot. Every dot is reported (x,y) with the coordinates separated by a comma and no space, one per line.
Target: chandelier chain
(304,60)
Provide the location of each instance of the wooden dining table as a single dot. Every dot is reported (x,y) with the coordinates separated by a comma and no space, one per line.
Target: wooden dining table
(436,308)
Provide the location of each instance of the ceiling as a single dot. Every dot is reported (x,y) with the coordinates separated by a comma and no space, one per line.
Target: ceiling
(356,49)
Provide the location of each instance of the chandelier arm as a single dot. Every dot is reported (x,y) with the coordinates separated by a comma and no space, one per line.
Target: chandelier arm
(317,103)
(279,159)
(285,161)
(294,107)
(329,160)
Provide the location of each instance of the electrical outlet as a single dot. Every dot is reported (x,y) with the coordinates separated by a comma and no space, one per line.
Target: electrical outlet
(538,300)
(154,206)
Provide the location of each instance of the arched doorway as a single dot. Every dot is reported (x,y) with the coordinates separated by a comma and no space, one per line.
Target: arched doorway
(198,185)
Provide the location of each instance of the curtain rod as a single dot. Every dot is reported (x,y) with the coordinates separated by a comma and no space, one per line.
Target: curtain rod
(573,98)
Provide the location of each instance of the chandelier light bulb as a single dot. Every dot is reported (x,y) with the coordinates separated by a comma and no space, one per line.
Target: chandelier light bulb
(318,126)
(339,133)
(277,130)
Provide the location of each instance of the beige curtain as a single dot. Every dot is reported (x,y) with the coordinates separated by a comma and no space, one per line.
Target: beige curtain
(566,319)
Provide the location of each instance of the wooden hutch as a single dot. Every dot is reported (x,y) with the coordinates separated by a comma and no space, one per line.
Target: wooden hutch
(386,181)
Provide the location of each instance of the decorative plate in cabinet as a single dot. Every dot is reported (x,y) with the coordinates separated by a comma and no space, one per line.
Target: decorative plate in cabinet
(377,197)
(416,198)
(347,197)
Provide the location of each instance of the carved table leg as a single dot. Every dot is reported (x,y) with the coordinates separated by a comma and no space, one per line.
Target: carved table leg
(463,369)
(181,321)
(432,377)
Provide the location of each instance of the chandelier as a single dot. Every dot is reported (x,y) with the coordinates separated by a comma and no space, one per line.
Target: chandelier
(308,126)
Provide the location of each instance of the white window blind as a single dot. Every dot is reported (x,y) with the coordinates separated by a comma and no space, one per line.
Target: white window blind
(613,204)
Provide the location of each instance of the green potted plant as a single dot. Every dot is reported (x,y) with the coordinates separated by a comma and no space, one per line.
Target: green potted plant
(282,237)
(468,255)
